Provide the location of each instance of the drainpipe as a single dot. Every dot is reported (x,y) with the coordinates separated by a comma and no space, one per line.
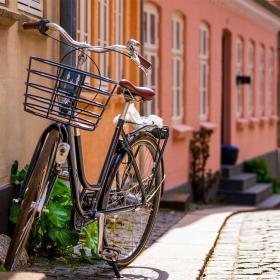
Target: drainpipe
(142,48)
(68,22)
(278,85)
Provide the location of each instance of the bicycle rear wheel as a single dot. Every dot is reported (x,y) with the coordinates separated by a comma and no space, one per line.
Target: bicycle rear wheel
(129,231)
(32,199)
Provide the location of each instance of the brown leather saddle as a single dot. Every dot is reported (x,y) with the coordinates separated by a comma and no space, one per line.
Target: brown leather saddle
(144,92)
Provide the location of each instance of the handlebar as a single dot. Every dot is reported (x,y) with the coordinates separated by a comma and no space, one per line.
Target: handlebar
(129,50)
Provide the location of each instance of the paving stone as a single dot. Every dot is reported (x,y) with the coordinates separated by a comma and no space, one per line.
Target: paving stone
(255,239)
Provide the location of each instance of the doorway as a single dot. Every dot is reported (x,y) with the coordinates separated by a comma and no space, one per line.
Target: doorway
(226,88)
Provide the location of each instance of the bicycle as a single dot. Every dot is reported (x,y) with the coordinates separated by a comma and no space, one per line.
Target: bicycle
(125,200)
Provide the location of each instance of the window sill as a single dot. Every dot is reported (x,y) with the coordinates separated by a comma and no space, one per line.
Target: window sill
(253,121)
(263,120)
(8,17)
(241,123)
(181,131)
(273,119)
(208,125)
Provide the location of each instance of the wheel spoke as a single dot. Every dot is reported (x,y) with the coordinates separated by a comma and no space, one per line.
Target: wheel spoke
(130,230)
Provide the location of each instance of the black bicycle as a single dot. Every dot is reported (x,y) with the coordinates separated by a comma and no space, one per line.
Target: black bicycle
(126,198)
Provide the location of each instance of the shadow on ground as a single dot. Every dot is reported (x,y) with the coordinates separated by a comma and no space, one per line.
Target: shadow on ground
(135,273)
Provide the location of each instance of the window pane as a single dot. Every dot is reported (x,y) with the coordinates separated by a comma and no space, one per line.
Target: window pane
(86,16)
(204,38)
(178,36)
(145,27)
(105,24)
(153,30)
(153,74)
(78,15)
(177,105)
(178,70)
(173,34)
(99,20)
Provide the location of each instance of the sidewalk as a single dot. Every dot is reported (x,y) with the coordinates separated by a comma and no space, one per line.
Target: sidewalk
(248,248)
(181,253)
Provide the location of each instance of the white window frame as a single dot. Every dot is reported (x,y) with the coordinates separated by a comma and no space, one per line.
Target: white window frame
(261,81)
(204,59)
(177,60)
(151,52)
(119,36)
(34,7)
(270,73)
(84,27)
(251,73)
(103,38)
(239,71)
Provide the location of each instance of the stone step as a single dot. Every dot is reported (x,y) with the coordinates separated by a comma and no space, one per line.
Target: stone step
(231,170)
(238,182)
(250,196)
(272,201)
(175,200)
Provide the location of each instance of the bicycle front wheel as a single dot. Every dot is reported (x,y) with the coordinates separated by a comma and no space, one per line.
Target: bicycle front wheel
(32,199)
(129,231)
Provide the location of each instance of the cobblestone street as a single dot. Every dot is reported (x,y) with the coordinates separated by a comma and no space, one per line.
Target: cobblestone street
(248,248)
(100,270)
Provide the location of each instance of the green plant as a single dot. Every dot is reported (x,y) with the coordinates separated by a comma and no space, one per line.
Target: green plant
(260,168)
(202,180)
(53,234)
(2,268)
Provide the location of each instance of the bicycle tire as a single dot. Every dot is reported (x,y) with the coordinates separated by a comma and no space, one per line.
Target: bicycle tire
(35,184)
(149,142)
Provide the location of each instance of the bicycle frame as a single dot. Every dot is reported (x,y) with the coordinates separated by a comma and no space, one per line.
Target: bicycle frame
(79,184)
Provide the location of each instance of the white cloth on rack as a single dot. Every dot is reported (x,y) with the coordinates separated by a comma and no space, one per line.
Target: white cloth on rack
(134,117)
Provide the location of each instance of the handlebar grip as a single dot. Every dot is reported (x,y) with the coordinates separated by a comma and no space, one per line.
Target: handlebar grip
(30,25)
(40,25)
(144,62)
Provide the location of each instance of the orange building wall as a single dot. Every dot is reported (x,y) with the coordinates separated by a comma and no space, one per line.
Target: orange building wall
(95,144)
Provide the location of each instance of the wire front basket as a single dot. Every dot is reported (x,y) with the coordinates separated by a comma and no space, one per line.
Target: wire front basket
(65,94)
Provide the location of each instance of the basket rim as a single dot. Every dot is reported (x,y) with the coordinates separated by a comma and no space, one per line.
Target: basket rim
(68,67)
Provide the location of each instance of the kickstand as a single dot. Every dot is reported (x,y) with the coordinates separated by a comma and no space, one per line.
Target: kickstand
(116,269)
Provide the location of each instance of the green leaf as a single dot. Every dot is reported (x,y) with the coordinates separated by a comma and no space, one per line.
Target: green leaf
(14,168)
(64,237)
(60,189)
(17,177)
(14,212)
(58,215)
(85,258)
(91,233)
(2,268)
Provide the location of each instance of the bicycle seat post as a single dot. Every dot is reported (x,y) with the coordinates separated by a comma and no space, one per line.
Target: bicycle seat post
(128,99)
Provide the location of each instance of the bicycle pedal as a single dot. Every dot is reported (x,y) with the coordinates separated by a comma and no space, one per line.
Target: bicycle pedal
(110,254)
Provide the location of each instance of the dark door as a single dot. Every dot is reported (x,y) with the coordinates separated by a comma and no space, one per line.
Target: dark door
(226,94)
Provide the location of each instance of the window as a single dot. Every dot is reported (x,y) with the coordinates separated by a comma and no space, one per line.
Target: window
(261,81)
(119,15)
(34,7)
(239,72)
(103,34)
(204,71)
(83,25)
(151,51)
(177,66)
(270,83)
(251,59)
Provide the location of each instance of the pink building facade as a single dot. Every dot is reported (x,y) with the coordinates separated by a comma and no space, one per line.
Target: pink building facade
(201,49)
